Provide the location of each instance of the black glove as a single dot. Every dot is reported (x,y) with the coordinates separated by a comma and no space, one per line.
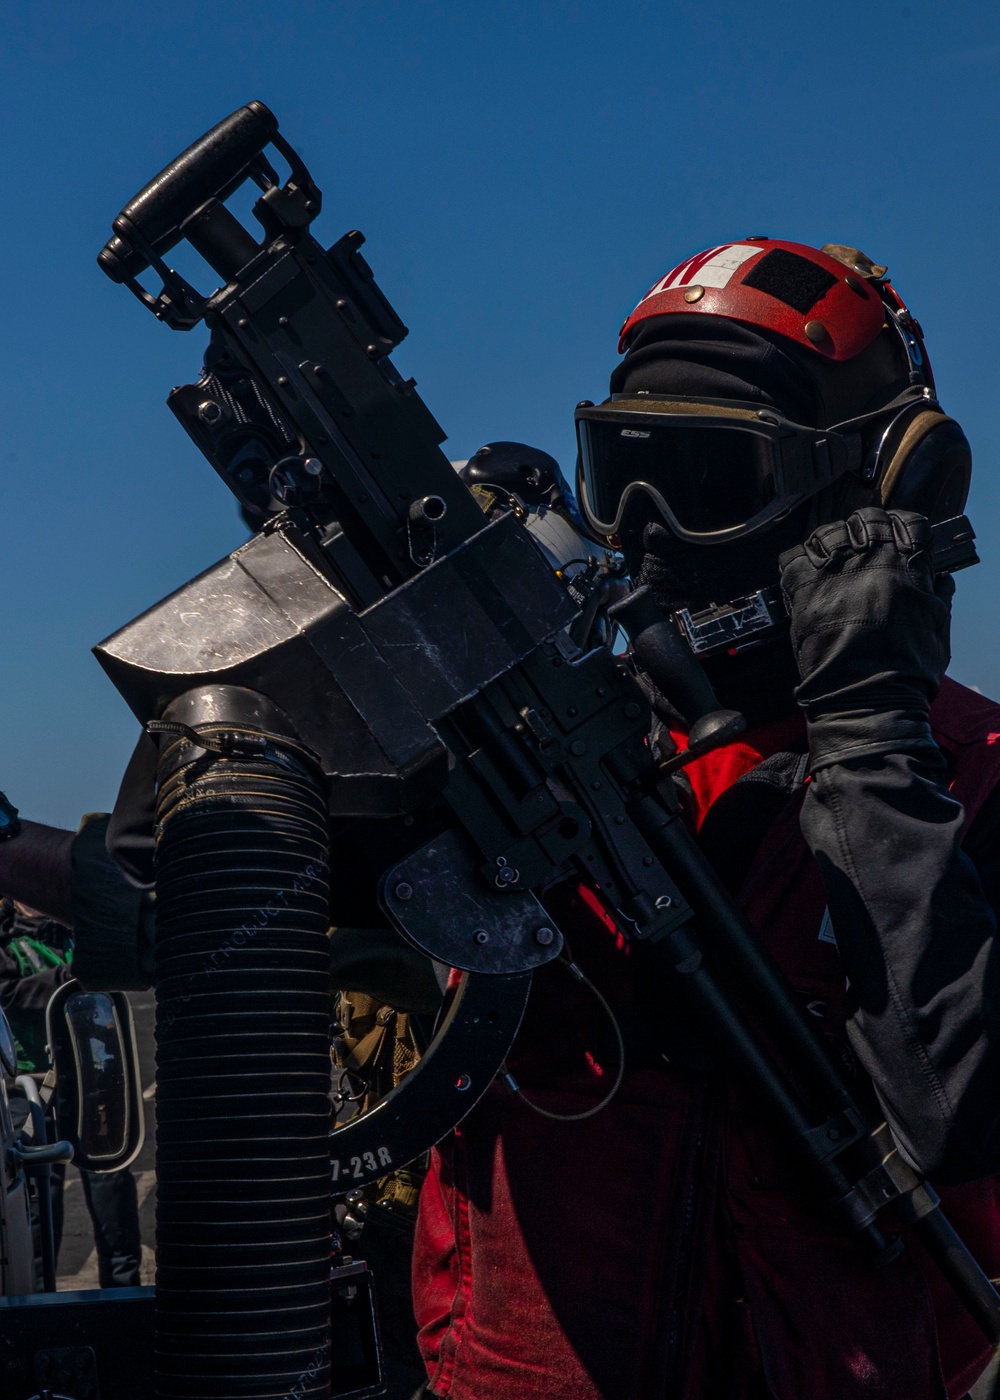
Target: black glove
(870,624)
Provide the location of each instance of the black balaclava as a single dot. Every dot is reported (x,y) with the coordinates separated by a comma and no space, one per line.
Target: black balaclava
(702,357)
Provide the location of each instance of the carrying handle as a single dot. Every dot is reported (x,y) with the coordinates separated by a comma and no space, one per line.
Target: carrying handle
(211,168)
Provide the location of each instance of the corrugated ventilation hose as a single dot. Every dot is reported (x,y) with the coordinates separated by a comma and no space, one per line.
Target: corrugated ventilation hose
(243,1075)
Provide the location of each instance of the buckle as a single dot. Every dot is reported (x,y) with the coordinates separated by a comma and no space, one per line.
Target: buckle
(734,625)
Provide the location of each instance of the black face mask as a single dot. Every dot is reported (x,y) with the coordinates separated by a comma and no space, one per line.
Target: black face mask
(712,357)
(694,576)
(691,355)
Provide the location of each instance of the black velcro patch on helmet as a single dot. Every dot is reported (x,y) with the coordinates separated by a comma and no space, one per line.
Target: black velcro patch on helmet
(796,281)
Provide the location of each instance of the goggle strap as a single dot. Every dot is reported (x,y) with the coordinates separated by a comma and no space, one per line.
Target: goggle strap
(810,464)
(911,395)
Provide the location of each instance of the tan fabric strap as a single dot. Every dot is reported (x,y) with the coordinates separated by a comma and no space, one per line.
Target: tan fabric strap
(917,429)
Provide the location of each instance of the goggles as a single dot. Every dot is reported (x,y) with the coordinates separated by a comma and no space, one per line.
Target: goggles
(715,470)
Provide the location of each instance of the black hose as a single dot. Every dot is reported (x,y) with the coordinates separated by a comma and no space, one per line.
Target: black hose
(243,1074)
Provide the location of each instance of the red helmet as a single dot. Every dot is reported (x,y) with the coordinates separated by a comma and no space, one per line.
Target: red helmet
(833,300)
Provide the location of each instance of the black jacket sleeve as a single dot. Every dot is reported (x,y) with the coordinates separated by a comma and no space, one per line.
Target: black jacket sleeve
(113,919)
(27,996)
(129,833)
(917,936)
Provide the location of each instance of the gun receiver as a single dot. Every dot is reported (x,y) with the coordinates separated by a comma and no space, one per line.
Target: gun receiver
(299,403)
(418,628)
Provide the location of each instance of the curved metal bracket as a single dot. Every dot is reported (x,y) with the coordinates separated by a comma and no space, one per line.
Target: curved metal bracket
(42,1156)
(461,1062)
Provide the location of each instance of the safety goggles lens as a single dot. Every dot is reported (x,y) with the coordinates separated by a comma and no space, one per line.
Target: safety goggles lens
(712,477)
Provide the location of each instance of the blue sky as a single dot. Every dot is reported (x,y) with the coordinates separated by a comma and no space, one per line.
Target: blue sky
(523,172)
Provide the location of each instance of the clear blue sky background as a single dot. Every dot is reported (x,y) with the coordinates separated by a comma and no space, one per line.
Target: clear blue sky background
(523,171)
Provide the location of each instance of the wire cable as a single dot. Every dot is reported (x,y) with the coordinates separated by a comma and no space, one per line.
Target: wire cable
(599,1107)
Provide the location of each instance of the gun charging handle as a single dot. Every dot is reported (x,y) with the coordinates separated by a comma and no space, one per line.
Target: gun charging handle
(676,673)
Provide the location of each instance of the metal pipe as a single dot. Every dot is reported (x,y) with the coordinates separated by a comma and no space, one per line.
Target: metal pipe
(42,1172)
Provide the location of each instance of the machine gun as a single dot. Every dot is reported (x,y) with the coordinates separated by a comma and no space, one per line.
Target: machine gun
(382,650)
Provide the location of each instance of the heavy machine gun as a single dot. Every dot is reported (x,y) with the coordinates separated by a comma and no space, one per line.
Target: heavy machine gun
(383,650)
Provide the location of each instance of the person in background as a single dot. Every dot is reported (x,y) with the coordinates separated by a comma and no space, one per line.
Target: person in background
(69,876)
(97,928)
(36,955)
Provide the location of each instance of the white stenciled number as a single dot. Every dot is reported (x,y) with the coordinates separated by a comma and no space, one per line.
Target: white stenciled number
(367,1162)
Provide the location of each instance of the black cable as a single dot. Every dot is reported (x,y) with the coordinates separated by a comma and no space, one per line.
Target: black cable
(599,1107)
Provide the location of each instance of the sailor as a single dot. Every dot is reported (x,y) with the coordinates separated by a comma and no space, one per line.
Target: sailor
(773,428)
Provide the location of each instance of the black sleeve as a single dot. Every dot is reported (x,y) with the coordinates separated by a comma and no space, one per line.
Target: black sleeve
(27,996)
(917,936)
(982,845)
(130,832)
(114,922)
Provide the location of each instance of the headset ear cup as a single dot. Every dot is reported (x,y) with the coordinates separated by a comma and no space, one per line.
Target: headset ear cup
(931,476)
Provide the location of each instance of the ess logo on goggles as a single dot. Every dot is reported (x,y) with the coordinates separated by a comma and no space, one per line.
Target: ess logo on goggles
(716,470)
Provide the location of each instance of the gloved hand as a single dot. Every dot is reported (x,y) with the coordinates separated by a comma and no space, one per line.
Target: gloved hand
(870,631)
